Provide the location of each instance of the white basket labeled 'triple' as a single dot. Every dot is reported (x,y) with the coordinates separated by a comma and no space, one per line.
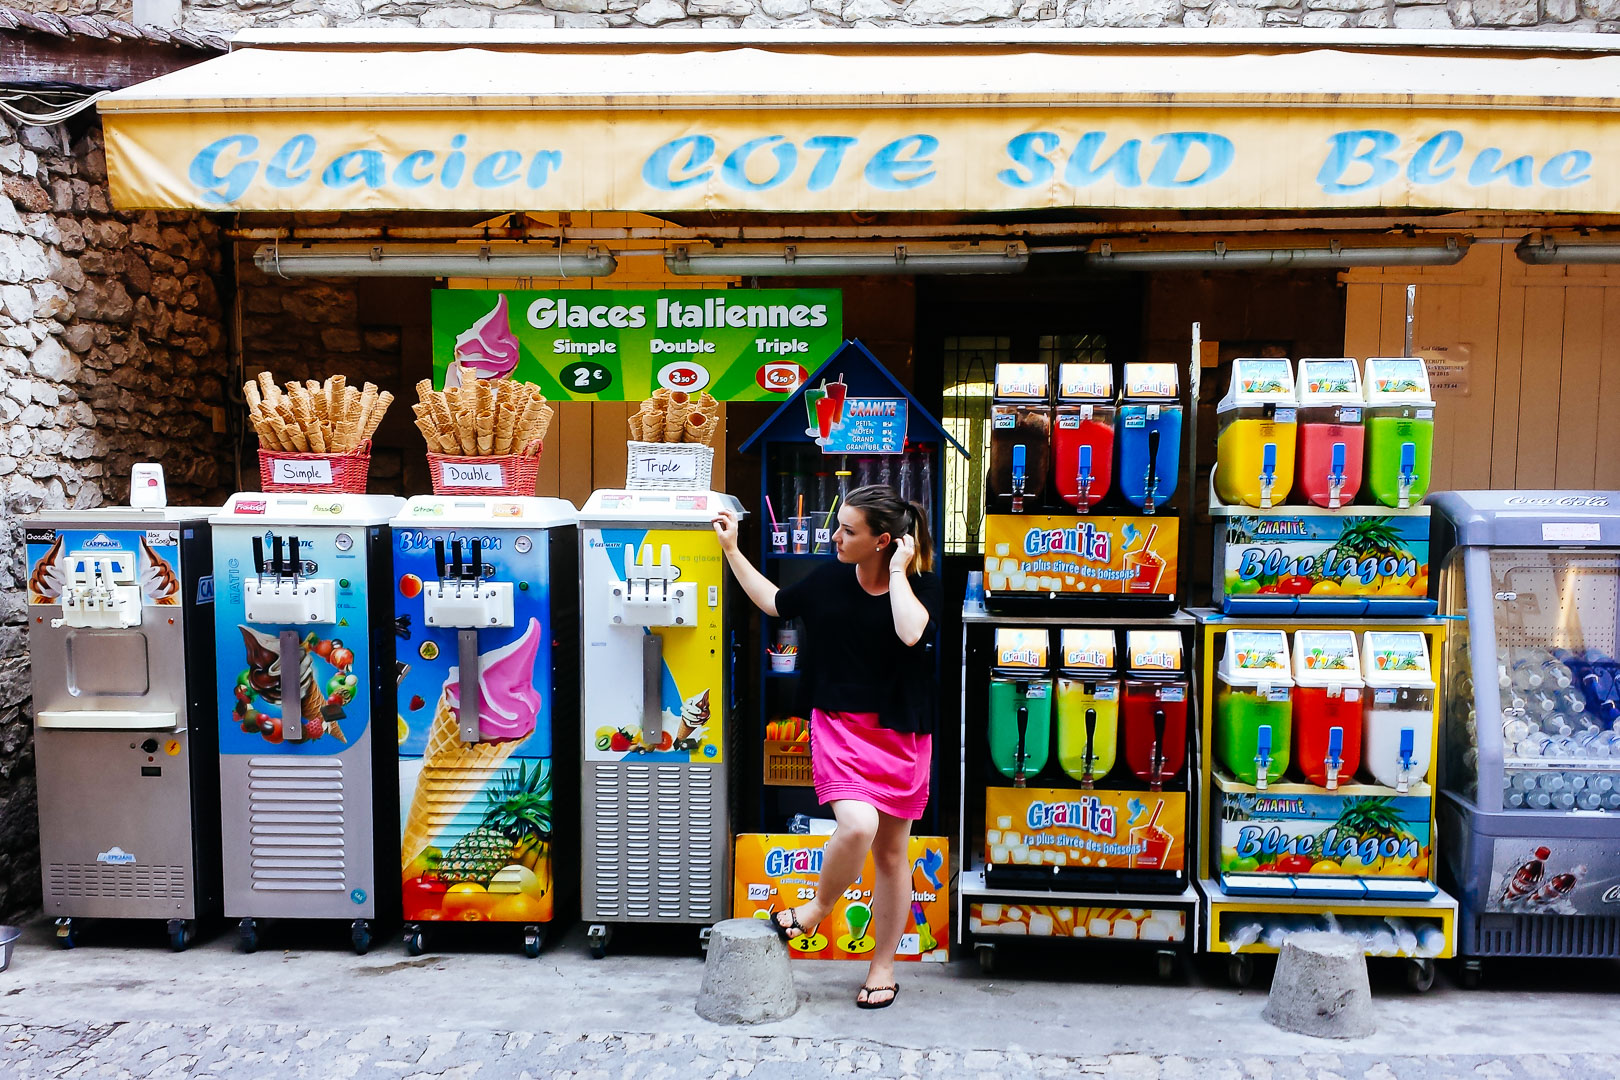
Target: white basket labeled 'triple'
(669,467)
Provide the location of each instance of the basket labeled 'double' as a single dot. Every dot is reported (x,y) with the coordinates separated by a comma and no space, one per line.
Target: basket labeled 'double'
(314,436)
(484,436)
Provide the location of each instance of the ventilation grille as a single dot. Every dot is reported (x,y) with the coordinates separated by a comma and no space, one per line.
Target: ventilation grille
(655,846)
(297,832)
(105,881)
(1583,936)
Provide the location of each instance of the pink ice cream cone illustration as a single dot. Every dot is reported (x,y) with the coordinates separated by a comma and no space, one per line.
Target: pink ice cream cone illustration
(453,772)
(485,350)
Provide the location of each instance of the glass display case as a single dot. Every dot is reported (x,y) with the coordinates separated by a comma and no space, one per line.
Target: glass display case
(1531,766)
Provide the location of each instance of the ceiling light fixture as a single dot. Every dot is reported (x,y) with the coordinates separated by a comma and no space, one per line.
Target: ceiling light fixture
(1221,257)
(431,260)
(1550,253)
(805,260)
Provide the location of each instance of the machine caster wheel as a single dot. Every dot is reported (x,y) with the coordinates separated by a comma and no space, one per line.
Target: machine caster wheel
(534,939)
(597,938)
(360,936)
(413,941)
(1420,975)
(247,935)
(182,932)
(1168,962)
(66,935)
(1240,970)
(703,939)
(1471,973)
(987,958)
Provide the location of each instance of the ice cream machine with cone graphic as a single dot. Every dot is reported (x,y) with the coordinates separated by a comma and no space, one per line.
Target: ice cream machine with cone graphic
(656,697)
(484,595)
(303,642)
(120,624)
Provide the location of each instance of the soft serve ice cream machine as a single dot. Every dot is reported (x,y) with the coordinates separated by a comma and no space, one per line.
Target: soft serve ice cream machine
(121,637)
(480,585)
(303,639)
(656,693)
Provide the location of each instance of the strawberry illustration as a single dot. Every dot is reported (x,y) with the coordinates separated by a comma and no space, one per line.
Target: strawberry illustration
(620,742)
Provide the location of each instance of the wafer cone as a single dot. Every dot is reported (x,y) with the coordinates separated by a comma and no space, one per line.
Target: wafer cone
(486,432)
(374,419)
(453,774)
(675,414)
(635,427)
(505,428)
(546,414)
(661,394)
(430,434)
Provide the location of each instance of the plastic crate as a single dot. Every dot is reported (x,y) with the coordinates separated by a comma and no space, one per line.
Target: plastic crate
(512,474)
(787,764)
(333,474)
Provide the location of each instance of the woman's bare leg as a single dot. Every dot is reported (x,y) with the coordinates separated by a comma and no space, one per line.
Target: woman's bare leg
(891,899)
(841,862)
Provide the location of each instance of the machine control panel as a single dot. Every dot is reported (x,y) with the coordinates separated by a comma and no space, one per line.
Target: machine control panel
(461,597)
(650,594)
(281,594)
(101,591)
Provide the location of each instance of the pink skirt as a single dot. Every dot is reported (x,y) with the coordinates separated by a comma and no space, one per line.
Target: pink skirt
(853,757)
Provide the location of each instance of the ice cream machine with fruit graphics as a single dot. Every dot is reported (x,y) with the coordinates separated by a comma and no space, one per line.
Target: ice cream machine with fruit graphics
(1076,807)
(308,758)
(120,623)
(1530,759)
(655,710)
(485,594)
(1319,788)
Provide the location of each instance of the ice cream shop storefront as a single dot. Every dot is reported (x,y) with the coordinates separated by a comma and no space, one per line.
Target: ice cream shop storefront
(1078,295)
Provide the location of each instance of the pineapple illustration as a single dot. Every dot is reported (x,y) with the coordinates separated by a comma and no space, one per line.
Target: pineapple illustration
(516,830)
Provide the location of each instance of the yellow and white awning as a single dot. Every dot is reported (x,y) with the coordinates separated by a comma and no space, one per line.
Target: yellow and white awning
(862,122)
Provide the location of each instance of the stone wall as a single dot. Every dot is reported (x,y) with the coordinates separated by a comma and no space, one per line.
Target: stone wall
(112,351)
(229,15)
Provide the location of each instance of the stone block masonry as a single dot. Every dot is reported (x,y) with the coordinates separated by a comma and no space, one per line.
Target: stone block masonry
(112,351)
(226,16)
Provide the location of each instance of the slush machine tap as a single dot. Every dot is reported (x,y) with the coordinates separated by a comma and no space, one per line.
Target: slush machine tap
(1021,755)
(1262,756)
(1088,781)
(1150,486)
(1335,757)
(1403,781)
(1020,474)
(1268,474)
(1336,476)
(1083,481)
(1408,474)
(1156,758)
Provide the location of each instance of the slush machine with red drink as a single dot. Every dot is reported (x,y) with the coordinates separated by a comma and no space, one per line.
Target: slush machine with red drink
(1083,437)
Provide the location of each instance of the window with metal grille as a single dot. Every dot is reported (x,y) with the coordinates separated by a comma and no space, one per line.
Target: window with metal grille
(969,372)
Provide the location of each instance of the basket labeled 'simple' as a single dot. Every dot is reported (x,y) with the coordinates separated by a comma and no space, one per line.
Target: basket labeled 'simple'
(510,474)
(316,474)
(669,467)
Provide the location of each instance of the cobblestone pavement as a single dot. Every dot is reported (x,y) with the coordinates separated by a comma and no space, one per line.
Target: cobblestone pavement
(305,1007)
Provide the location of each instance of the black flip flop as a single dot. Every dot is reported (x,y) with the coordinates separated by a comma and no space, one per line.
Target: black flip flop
(894,992)
(792,929)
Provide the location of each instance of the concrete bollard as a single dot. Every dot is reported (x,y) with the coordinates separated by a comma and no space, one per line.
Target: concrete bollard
(1321,987)
(746,979)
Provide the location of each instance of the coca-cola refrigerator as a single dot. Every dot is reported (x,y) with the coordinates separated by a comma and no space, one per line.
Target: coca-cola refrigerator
(1530,772)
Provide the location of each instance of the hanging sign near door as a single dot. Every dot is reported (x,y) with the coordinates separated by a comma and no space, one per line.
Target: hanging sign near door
(621,345)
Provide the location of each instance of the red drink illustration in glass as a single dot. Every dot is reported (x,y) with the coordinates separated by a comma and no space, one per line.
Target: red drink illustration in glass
(1146,566)
(1154,841)
(1154,719)
(835,393)
(827,414)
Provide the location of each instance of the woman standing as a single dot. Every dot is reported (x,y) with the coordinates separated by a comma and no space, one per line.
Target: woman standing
(869,682)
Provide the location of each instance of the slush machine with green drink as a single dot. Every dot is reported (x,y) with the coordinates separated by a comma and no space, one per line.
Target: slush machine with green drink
(1254,707)
(1400,430)
(1020,704)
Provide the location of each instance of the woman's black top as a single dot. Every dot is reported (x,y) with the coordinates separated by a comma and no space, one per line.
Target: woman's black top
(850,658)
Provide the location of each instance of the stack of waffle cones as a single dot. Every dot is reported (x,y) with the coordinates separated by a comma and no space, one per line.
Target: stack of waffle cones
(453,772)
(328,417)
(673,416)
(482,418)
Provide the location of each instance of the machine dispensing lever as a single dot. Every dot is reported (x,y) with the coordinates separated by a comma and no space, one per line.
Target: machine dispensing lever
(1335,757)
(294,567)
(1336,476)
(1262,756)
(1150,484)
(292,682)
(467,659)
(1408,474)
(1083,480)
(258,557)
(652,688)
(1021,753)
(1268,474)
(277,564)
(1087,780)
(1403,780)
(438,559)
(1157,758)
(1020,476)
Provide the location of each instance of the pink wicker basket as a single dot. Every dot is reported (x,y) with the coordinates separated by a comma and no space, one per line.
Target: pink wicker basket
(332,474)
(512,474)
